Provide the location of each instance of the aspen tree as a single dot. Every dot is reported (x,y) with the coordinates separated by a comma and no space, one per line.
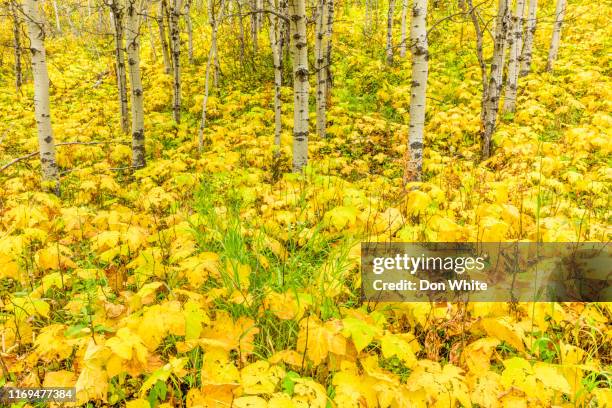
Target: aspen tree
(479,49)
(254,25)
(299,51)
(495,85)
(42,108)
(275,44)
(151,37)
(117,16)
(529,35)
(389,47)
(189,31)
(58,25)
(556,35)
(133,13)
(418,90)
(367,21)
(516,45)
(328,49)
(319,66)
(162,36)
(16,45)
(175,39)
(402,50)
(213,20)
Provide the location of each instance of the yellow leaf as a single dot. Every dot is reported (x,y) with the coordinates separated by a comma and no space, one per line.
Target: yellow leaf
(138,403)
(217,368)
(550,377)
(504,330)
(417,202)
(477,355)
(339,218)
(60,378)
(250,402)
(395,345)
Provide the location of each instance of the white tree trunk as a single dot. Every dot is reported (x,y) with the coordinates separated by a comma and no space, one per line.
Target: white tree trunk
(403,39)
(117,17)
(275,38)
(151,36)
(529,36)
(328,49)
(319,65)
(389,47)
(58,26)
(17,46)
(213,19)
(418,91)
(189,31)
(494,88)
(162,37)
(175,38)
(479,48)
(556,36)
(42,109)
(133,52)
(254,25)
(299,51)
(516,45)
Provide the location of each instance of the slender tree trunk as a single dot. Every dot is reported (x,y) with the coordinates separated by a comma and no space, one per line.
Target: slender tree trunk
(133,52)
(299,51)
(254,28)
(17,46)
(175,14)
(389,48)
(189,31)
(328,50)
(556,36)
(275,44)
(495,86)
(418,90)
(403,29)
(162,37)
(479,47)
(367,21)
(42,108)
(516,46)
(117,16)
(151,38)
(214,25)
(529,36)
(58,26)
(241,32)
(319,65)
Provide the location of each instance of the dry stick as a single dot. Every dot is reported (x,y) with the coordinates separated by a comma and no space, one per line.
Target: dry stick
(30,155)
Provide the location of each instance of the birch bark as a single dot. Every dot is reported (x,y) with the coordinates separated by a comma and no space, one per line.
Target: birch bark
(495,85)
(529,35)
(389,47)
(17,45)
(175,38)
(418,91)
(516,46)
(162,37)
(299,51)
(42,108)
(275,44)
(402,50)
(556,36)
(117,16)
(133,19)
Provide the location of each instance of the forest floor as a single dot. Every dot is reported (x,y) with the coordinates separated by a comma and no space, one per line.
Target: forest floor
(222,277)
